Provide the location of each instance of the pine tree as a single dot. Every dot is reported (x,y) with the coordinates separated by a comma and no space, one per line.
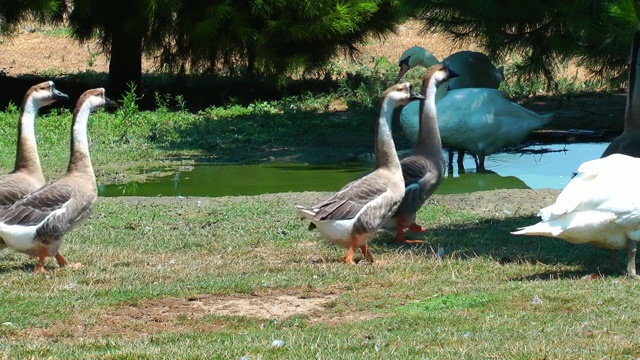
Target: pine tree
(544,33)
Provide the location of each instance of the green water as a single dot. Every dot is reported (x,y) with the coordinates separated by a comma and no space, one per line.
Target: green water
(551,170)
(221,180)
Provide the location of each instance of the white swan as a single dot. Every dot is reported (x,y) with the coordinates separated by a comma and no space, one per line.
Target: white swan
(479,120)
(600,206)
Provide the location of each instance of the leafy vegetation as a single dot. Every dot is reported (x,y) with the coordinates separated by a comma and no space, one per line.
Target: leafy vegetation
(542,34)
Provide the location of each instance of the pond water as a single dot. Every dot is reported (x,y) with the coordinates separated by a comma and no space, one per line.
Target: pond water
(536,167)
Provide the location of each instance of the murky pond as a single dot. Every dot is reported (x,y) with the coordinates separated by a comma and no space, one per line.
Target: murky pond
(536,167)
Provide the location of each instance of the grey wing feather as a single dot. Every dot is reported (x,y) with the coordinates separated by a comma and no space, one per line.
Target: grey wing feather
(36,207)
(12,189)
(421,179)
(349,201)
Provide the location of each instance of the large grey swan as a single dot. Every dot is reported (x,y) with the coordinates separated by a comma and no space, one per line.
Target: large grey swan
(351,217)
(628,142)
(599,206)
(423,169)
(27,174)
(472,115)
(36,224)
(474,68)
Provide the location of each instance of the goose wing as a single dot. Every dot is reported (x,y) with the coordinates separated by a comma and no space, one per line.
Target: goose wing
(13,188)
(352,198)
(421,178)
(38,206)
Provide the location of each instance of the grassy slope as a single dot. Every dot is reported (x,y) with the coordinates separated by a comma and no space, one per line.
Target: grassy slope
(479,301)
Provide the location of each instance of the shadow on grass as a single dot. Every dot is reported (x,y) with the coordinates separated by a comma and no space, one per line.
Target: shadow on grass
(198,91)
(259,137)
(26,266)
(491,238)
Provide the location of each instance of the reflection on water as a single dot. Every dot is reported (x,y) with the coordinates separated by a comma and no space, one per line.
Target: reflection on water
(507,171)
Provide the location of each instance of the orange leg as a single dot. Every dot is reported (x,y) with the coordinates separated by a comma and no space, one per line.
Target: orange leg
(61,261)
(416,228)
(41,257)
(401,227)
(367,253)
(348,258)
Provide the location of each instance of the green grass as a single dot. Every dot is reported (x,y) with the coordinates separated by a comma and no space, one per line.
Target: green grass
(143,255)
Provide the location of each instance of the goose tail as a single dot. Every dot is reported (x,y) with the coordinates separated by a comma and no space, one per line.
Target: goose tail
(539,229)
(306,213)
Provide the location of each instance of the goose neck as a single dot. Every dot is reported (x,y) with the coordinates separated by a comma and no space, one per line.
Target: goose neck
(80,160)
(27,152)
(428,132)
(386,155)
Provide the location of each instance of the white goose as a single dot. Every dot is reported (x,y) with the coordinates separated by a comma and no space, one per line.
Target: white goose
(423,169)
(351,217)
(472,115)
(36,224)
(628,142)
(600,206)
(27,174)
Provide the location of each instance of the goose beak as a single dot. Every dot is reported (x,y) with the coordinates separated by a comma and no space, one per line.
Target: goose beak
(110,103)
(59,95)
(453,74)
(416,96)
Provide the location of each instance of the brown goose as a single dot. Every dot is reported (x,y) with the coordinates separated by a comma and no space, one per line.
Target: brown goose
(352,216)
(36,224)
(423,170)
(628,143)
(27,175)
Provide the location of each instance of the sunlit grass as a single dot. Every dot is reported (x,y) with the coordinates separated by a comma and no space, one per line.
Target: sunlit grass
(491,295)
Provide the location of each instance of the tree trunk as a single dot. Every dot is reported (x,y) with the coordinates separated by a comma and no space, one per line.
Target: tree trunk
(125,65)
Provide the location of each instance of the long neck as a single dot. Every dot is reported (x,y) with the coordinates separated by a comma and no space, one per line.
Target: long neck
(27,152)
(80,161)
(386,155)
(632,113)
(428,132)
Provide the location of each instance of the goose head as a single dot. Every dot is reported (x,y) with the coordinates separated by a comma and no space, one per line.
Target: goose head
(44,94)
(413,57)
(401,94)
(95,99)
(439,74)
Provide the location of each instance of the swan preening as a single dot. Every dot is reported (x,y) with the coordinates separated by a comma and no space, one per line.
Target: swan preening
(599,206)
(472,114)
(36,224)
(423,169)
(351,217)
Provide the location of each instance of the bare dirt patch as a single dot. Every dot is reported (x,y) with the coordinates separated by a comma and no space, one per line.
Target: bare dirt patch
(175,314)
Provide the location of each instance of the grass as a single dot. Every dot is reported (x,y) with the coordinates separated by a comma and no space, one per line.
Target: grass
(492,295)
